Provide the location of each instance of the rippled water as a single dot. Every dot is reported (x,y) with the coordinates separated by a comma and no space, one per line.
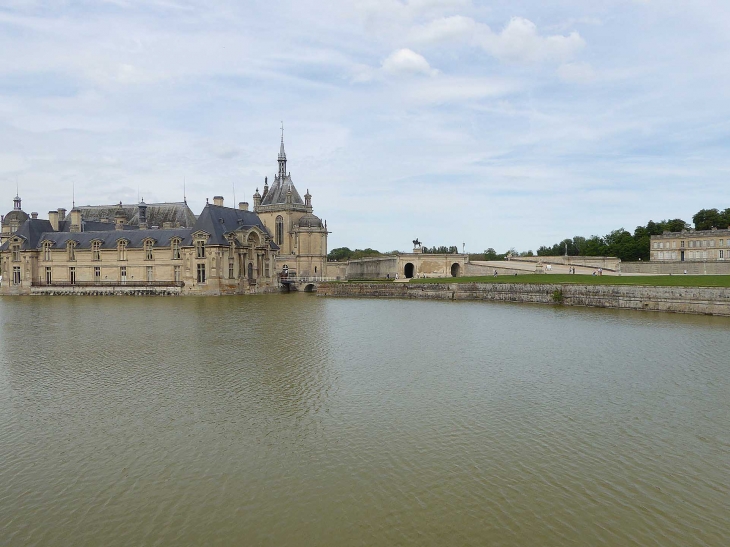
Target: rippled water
(296,420)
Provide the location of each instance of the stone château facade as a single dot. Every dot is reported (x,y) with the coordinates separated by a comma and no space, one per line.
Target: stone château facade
(691,246)
(164,248)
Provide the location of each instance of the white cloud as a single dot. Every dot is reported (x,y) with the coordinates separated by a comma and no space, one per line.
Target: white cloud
(445,29)
(407,62)
(520,42)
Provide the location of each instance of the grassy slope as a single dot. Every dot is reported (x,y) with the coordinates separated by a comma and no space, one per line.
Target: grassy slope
(651,280)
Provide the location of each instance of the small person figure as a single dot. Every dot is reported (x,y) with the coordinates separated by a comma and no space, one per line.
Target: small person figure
(495,273)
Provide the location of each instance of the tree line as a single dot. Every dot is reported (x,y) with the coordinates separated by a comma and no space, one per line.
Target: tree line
(634,246)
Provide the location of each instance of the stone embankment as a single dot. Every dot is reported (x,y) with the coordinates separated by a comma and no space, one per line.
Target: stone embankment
(695,300)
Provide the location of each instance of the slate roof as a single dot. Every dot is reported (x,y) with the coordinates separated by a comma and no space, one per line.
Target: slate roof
(31,231)
(277,193)
(109,239)
(214,220)
(218,221)
(157,213)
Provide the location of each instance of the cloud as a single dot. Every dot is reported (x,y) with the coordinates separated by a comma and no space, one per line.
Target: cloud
(520,42)
(407,62)
(444,29)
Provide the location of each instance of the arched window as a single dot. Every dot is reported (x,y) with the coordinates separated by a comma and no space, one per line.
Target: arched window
(122,249)
(279,230)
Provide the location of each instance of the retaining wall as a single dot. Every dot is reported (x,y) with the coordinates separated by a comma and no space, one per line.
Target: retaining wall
(676,268)
(695,300)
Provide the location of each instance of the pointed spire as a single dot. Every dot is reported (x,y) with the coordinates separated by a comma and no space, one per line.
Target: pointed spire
(282,155)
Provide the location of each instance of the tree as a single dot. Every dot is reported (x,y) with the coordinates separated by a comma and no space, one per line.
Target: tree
(706,219)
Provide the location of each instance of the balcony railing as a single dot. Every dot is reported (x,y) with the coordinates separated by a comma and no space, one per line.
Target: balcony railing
(109,284)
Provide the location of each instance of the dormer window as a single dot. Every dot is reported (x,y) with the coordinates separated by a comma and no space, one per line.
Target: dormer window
(175,245)
(71,249)
(16,252)
(122,250)
(47,251)
(96,251)
(148,249)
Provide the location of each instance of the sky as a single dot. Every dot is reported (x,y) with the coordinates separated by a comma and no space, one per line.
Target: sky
(502,124)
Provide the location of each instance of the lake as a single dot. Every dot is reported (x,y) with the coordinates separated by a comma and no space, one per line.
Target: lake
(297,420)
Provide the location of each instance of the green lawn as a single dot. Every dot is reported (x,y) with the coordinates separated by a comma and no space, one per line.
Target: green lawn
(651,280)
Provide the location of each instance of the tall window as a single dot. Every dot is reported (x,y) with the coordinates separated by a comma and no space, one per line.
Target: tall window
(178,274)
(175,244)
(49,278)
(123,274)
(16,253)
(230,269)
(201,273)
(97,273)
(72,275)
(96,250)
(148,249)
(150,274)
(200,249)
(16,275)
(279,230)
(47,251)
(122,250)
(71,250)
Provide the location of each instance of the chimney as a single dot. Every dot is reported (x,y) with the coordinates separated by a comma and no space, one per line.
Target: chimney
(53,219)
(34,215)
(142,214)
(218,201)
(167,226)
(75,220)
(243,205)
(120,217)
(256,200)
(61,214)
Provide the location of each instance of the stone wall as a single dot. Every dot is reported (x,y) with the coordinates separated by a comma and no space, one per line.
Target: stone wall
(605,262)
(676,268)
(695,300)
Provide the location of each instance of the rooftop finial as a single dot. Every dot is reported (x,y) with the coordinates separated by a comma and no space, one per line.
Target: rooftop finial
(282,132)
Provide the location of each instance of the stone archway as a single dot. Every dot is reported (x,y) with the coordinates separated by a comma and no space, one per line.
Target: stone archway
(455,269)
(408,270)
(309,288)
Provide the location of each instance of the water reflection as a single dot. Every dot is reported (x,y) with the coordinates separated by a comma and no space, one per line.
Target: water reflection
(299,420)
